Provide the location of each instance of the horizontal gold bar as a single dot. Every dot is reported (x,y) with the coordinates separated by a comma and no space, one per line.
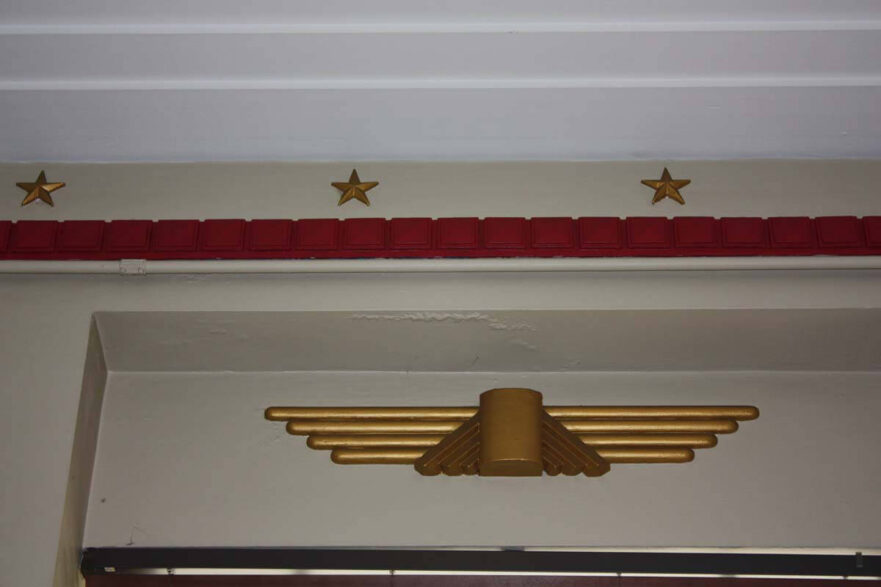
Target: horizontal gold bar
(652,412)
(408,456)
(350,413)
(650,426)
(307,427)
(646,455)
(403,456)
(562,412)
(328,427)
(657,440)
(325,442)
(374,440)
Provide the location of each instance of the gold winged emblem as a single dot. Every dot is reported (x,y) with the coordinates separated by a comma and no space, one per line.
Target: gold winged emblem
(511,434)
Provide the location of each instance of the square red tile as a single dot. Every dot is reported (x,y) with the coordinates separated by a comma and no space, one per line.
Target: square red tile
(127,235)
(791,232)
(5,229)
(410,233)
(504,233)
(696,231)
(649,232)
(223,235)
(176,235)
(599,233)
(553,233)
(457,233)
(317,234)
(80,235)
(270,235)
(34,236)
(839,231)
(364,233)
(872,225)
(744,232)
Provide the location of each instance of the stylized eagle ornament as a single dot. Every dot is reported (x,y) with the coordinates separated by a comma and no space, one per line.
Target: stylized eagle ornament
(512,434)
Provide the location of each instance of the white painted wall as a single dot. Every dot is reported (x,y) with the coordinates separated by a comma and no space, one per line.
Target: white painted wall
(188,460)
(745,339)
(303,190)
(82,462)
(44,321)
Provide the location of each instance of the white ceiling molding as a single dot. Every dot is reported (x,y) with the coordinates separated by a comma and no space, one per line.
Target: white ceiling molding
(637,79)
(315,61)
(468,124)
(398,12)
(434,84)
(505,26)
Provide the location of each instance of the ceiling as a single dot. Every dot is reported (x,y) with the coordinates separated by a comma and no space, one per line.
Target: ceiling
(446,80)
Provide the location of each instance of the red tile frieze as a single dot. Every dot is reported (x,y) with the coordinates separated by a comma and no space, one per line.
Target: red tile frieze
(442,237)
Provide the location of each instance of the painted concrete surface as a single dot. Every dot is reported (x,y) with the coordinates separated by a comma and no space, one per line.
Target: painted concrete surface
(46,323)
(479,341)
(188,460)
(303,190)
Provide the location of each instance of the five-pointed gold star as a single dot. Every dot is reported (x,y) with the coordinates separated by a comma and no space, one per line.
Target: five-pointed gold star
(39,190)
(667,187)
(354,189)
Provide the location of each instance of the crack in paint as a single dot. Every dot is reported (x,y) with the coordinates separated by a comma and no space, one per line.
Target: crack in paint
(523,344)
(448,317)
(131,537)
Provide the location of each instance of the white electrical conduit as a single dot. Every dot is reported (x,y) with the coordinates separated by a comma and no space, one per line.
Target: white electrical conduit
(146,267)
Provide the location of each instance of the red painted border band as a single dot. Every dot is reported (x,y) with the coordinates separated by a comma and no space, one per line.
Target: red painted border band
(439,238)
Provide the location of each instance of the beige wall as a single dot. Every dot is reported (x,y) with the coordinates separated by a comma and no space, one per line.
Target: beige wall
(82,460)
(45,320)
(278,190)
(186,459)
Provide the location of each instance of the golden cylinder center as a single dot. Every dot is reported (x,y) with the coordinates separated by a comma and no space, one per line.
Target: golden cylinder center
(510,433)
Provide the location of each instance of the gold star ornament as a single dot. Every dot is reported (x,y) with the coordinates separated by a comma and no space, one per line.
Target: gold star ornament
(354,189)
(667,187)
(39,189)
